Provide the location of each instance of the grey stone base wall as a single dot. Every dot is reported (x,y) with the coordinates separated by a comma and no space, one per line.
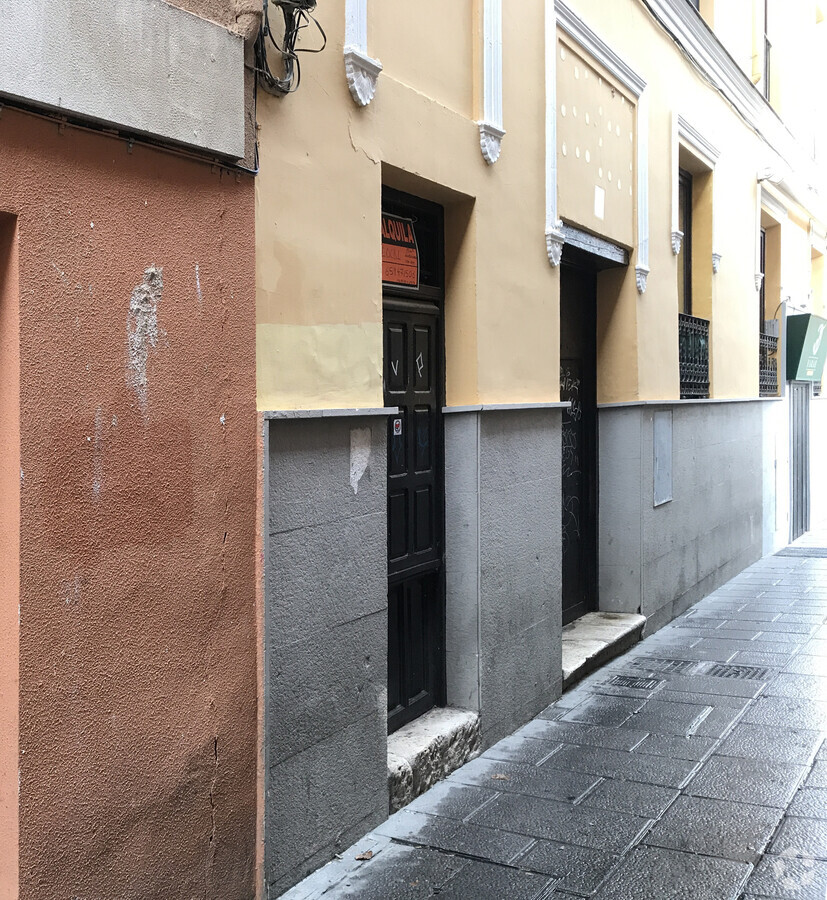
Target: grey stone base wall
(325,641)
(659,560)
(503,600)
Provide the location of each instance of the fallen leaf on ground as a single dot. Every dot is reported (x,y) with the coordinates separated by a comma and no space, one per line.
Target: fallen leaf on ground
(368,854)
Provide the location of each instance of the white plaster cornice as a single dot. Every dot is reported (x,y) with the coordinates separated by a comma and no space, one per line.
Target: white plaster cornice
(701,148)
(554,234)
(491,124)
(361,71)
(698,43)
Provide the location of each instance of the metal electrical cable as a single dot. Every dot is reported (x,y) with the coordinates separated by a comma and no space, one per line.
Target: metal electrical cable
(297,15)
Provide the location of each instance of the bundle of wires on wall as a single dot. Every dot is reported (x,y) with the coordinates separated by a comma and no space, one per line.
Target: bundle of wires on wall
(297,15)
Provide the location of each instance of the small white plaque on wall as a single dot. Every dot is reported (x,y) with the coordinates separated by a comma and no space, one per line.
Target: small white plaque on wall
(599,201)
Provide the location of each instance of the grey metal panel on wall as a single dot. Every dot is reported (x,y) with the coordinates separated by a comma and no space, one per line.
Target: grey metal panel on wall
(325,641)
(661,559)
(142,65)
(662,448)
(503,598)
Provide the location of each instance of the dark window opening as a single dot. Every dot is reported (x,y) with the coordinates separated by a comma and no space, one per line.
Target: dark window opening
(685,256)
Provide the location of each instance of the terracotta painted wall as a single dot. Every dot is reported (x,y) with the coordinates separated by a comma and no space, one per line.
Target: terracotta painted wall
(137,639)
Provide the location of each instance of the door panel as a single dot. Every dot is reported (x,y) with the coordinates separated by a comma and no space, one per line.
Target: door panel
(578,385)
(415,491)
(799,458)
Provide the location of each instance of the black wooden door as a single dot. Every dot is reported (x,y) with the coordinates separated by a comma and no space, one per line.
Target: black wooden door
(799,458)
(579,440)
(415,510)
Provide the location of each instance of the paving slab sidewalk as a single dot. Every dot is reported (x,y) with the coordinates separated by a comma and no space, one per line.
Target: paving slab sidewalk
(693,767)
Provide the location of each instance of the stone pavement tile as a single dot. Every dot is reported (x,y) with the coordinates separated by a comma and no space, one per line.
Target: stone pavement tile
(645,800)
(809,687)
(804,618)
(709,684)
(787,712)
(522,748)
(817,647)
(579,869)
(452,799)
(746,781)
(772,744)
(801,837)
(779,625)
(636,767)
(714,700)
(677,746)
(781,637)
(700,653)
(612,832)
(439,833)
(807,665)
(677,718)
(519,779)
(788,878)
(810,802)
(404,873)
(818,776)
(729,633)
(765,646)
(736,831)
(486,881)
(584,735)
(761,658)
(599,710)
(650,873)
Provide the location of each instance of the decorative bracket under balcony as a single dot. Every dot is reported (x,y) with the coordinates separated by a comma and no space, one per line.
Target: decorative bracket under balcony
(641,274)
(362,73)
(554,243)
(677,240)
(716,262)
(759,278)
(491,138)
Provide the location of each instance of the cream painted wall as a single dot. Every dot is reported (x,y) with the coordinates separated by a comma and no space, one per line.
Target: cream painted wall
(323,161)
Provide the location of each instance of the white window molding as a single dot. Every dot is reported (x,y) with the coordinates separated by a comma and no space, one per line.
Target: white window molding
(707,155)
(361,70)
(558,13)
(491,124)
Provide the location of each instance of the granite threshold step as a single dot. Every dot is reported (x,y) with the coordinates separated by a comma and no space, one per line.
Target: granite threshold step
(592,640)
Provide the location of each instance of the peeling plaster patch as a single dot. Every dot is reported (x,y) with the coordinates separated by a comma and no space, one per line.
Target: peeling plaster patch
(223,419)
(142,330)
(71,591)
(198,285)
(359,455)
(22,477)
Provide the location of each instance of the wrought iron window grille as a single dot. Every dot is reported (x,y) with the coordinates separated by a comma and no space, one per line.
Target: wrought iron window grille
(767,365)
(693,355)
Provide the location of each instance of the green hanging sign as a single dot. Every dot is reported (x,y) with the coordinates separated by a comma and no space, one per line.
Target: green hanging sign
(806,347)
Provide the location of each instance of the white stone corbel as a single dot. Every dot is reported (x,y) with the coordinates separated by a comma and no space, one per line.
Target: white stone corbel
(491,124)
(641,274)
(554,226)
(759,277)
(716,262)
(677,240)
(361,70)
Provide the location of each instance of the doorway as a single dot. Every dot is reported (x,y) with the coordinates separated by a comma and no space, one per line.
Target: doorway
(414,382)
(578,386)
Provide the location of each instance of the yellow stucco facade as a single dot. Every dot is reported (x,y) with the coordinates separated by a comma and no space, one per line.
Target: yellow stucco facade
(324,160)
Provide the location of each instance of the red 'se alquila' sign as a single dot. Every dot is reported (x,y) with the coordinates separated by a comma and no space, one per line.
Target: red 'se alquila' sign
(400,254)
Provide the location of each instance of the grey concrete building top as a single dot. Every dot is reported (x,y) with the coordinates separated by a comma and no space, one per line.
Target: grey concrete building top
(140,65)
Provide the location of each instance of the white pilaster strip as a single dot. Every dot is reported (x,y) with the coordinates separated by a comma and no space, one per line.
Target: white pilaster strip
(677,234)
(361,70)
(642,266)
(554,226)
(491,124)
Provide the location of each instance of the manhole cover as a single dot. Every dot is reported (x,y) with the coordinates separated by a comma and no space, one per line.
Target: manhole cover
(743,673)
(655,664)
(630,681)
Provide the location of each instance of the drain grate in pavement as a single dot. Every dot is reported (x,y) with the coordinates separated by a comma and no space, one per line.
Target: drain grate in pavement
(656,664)
(630,681)
(742,673)
(814,552)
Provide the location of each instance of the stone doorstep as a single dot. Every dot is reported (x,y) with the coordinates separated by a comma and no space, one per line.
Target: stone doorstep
(594,639)
(427,750)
